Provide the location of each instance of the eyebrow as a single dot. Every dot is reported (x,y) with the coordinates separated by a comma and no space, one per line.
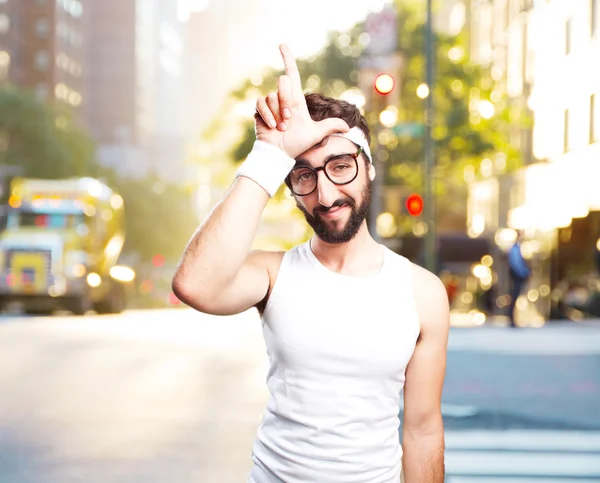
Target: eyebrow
(303,163)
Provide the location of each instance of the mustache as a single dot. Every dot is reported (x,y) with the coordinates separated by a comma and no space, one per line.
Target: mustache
(341,202)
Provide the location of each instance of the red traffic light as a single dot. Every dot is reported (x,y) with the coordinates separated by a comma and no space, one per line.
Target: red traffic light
(414,205)
(384,84)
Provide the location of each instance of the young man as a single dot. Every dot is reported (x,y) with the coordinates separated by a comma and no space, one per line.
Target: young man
(348,323)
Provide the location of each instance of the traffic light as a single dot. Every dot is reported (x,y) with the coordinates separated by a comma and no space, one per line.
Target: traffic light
(384,84)
(414,204)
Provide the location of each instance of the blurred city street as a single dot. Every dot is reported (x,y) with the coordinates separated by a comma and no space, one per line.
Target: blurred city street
(174,395)
(123,126)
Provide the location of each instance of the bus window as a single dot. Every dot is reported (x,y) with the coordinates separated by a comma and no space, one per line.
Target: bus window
(43,220)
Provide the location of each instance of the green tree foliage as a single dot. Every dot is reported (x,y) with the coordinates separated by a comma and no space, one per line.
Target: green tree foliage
(42,140)
(46,143)
(462,136)
(159,216)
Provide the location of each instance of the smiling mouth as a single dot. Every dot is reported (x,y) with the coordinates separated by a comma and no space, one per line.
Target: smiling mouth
(333,212)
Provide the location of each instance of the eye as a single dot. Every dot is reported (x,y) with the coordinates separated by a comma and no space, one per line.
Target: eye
(341,164)
(302,175)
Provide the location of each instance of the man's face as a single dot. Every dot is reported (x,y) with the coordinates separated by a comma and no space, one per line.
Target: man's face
(335,212)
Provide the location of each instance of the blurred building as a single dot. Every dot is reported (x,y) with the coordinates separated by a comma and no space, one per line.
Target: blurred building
(207,76)
(544,56)
(42,49)
(222,45)
(135,85)
(450,16)
(111,71)
(159,87)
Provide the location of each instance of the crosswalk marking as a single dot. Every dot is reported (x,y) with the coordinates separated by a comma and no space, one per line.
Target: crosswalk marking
(458,410)
(524,440)
(453,410)
(569,340)
(479,479)
(523,456)
(522,464)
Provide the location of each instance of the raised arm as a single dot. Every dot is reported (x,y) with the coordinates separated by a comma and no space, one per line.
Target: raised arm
(217,273)
(423,429)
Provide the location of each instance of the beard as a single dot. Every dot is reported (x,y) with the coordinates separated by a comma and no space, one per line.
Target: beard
(330,234)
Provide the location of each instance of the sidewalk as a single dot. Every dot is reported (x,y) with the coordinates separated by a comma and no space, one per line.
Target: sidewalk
(478,319)
(554,338)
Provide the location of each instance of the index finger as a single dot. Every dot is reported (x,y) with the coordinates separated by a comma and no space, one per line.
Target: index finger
(291,70)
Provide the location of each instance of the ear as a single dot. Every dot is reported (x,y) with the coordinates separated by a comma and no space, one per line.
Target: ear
(372,172)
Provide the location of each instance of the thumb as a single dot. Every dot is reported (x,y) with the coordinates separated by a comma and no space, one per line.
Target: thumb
(326,127)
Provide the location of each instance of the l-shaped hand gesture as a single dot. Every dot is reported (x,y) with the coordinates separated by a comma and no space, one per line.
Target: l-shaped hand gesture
(282,118)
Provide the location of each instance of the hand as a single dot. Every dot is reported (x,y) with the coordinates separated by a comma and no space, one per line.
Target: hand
(282,118)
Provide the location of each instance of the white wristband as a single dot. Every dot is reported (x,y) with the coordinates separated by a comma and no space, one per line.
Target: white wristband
(267,166)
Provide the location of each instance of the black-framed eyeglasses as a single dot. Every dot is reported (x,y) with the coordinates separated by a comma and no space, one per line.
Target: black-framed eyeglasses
(340,170)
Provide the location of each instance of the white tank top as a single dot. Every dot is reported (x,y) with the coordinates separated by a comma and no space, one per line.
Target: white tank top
(338,348)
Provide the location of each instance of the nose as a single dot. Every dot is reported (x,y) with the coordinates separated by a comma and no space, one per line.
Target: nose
(327,192)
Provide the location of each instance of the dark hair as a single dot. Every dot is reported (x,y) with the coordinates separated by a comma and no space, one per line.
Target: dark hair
(322,107)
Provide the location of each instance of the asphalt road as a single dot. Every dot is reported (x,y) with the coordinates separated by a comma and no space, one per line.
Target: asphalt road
(173,395)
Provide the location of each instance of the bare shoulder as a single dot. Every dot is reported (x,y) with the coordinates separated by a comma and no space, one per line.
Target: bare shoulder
(271,260)
(431,299)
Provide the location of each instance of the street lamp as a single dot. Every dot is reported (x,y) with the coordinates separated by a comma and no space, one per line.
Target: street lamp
(389,116)
(429,207)
(422,91)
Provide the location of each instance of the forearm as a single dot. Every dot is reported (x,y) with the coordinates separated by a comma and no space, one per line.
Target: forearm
(423,457)
(218,248)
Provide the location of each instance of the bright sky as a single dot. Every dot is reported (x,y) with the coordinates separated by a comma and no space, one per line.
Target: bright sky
(302,24)
(245,35)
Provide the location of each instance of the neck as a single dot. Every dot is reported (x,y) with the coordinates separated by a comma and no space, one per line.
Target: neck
(360,255)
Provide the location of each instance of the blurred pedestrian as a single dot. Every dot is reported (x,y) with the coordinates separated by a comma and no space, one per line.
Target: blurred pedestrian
(519,272)
(597,256)
(348,323)
(450,282)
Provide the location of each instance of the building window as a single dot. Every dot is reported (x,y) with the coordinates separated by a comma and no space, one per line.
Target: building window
(566,132)
(526,5)
(41,60)
(42,28)
(4,58)
(75,40)
(594,119)
(42,90)
(4,64)
(593,17)
(73,7)
(61,91)
(568,29)
(4,23)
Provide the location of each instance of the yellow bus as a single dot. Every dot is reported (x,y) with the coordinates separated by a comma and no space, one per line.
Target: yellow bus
(60,247)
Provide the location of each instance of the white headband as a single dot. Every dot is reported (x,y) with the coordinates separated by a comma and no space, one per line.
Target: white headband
(357,137)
